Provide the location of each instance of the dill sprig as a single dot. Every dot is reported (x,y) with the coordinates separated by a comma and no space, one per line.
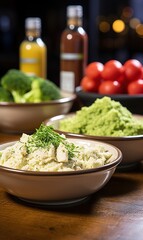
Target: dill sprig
(44,136)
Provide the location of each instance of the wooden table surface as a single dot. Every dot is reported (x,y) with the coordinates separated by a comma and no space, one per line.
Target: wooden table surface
(114,212)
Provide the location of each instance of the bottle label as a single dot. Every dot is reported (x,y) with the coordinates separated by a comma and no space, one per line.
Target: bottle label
(67,81)
(29,60)
(32,67)
(71,56)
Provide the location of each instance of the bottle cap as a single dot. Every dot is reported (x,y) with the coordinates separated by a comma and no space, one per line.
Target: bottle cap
(74,11)
(31,23)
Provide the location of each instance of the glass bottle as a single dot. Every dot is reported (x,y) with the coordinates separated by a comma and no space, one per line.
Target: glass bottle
(33,51)
(73,50)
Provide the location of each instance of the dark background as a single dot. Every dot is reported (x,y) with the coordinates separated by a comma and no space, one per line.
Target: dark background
(103,45)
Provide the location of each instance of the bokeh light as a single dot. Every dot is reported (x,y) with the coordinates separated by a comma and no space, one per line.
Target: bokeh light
(118,26)
(104,26)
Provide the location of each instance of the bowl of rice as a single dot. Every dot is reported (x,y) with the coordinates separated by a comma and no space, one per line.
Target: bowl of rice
(48,168)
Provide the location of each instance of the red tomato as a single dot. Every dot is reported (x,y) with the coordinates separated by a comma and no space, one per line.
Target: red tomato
(89,84)
(142,73)
(94,70)
(110,87)
(132,70)
(122,80)
(112,70)
(135,87)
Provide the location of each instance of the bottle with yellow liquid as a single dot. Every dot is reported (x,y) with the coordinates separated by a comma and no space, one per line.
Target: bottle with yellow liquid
(33,51)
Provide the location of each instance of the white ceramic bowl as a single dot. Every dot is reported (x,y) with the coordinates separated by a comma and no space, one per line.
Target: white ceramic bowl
(54,188)
(25,117)
(130,146)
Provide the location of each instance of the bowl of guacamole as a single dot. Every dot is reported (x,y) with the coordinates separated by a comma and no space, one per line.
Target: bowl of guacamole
(109,121)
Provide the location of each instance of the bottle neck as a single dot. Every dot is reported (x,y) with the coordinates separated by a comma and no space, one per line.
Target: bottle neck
(32,34)
(75,21)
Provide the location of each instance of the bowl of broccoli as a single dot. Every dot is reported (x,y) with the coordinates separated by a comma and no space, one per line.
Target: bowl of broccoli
(25,101)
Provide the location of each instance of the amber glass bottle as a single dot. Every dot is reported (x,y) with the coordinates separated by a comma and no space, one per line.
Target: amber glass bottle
(33,51)
(73,50)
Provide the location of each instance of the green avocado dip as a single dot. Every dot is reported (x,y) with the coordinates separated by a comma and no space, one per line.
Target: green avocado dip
(105,117)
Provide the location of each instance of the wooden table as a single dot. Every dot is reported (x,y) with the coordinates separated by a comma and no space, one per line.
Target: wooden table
(115,212)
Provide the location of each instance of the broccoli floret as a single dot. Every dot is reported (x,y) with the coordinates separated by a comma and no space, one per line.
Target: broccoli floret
(42,90)
(16,82)
(5,95)
(29,89)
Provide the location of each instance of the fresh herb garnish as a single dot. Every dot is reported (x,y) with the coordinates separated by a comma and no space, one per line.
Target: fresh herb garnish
(45,136)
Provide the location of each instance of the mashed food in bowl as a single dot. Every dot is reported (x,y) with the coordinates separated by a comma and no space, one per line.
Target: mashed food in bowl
(105,117)
(46,150)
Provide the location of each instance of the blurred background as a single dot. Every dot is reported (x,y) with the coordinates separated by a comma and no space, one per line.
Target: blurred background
(114,28)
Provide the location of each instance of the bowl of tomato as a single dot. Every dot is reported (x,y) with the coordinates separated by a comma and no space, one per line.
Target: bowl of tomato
(134,103)
(122,82)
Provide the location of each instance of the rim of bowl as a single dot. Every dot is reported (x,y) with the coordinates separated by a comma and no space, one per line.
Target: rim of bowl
(69,97)
(79,90)
(102,138)
(107,166)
